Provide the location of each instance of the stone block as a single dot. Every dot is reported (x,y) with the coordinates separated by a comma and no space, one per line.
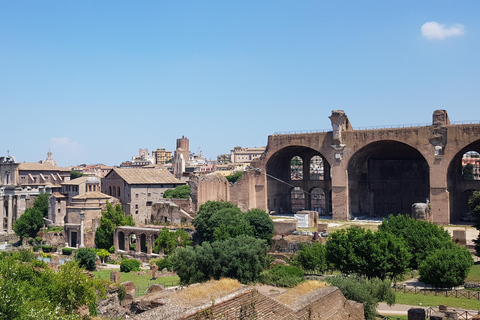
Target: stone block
(460,237)
(130,290)
(284,226)
(115,276)
(438,316)
(416,314)
(453,315)
(155,288)
(322,227)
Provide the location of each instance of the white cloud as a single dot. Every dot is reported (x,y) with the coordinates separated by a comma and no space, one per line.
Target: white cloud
(66,151)
(437,31)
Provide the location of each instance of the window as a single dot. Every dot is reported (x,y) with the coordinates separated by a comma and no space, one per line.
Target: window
(136,212)
(136,206)
(149,203)
(149,194)
(136,195)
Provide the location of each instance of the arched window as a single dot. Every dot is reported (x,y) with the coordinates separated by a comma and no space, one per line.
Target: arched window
(316,168)
(296,168)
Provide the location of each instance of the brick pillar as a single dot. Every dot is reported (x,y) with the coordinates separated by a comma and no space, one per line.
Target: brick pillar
(340,201)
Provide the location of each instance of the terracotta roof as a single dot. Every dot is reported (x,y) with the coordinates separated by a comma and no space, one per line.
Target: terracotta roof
(36,166)
(75,182)
(92,195)
(58,195)
(147,176)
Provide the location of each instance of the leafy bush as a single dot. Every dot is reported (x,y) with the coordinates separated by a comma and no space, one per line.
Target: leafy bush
(234,177)
(283,276)
(86,258)
(169,241)
(30,241)
(242,258)
(30,222)
(67,251)
(367,291)
(102,254)
(54,229)
(47,248)
(312,258)
(128,265)
(38,239)
(36,248)
(163,263)
(24,256)
(122,292)
(180,192)
(111,249)
(446,268)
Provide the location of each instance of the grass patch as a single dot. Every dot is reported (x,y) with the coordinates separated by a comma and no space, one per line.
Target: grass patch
(304,288)
(434,301)
(209,290)
(474,275)
(379,316)
(142,282)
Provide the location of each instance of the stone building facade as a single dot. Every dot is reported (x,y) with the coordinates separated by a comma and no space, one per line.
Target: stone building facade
(21,183)
(138,189)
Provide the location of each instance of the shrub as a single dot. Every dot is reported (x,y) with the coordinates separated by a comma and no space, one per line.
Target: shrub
(24,256)
(30,241)
(36,248)
(162,263)
(102,254)
(283,276)
(47,248)
(111,249)
(367,291)
(122,292)
(38,239)
(447,267)
(128,265)
(86,258)
(67,251)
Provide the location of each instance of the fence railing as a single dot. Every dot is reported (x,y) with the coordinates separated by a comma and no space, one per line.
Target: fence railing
(461,314)
(467,294)
(142,290)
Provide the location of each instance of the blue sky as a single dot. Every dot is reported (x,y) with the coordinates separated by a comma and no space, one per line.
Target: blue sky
(94,81)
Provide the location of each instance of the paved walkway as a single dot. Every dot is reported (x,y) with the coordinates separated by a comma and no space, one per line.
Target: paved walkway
(397,309)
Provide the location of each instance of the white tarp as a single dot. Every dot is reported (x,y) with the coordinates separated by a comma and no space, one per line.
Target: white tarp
(302,219)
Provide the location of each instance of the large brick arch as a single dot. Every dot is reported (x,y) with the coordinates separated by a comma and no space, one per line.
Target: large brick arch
(386,177)
(459,189)
(279,182)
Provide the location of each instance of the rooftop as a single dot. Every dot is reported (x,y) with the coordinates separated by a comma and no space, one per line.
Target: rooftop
(147,176)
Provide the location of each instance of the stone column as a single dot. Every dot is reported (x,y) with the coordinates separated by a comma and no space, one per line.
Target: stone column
(149,245)
(82,218)
(138,244)
(127,243)
(1,213)
(10,214)
(340,201)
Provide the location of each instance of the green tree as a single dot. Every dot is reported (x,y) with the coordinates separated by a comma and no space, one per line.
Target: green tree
(168,241)
(86,258)
(370,292)
(201,222)
(31,221)
(421,237)
(228,223)
(312,257)
(180,192)
(261,223)
(102,254)
(75,174)
(446,268)
(356,250)
(474,203)
(242,258)
(111,218)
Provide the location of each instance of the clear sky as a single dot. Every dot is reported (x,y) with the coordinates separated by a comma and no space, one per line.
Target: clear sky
(94,81)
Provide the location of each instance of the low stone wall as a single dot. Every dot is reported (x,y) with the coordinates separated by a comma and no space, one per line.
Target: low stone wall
(9,238)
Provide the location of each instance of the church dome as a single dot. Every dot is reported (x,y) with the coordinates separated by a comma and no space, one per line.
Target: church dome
(92,180)
(50,160)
